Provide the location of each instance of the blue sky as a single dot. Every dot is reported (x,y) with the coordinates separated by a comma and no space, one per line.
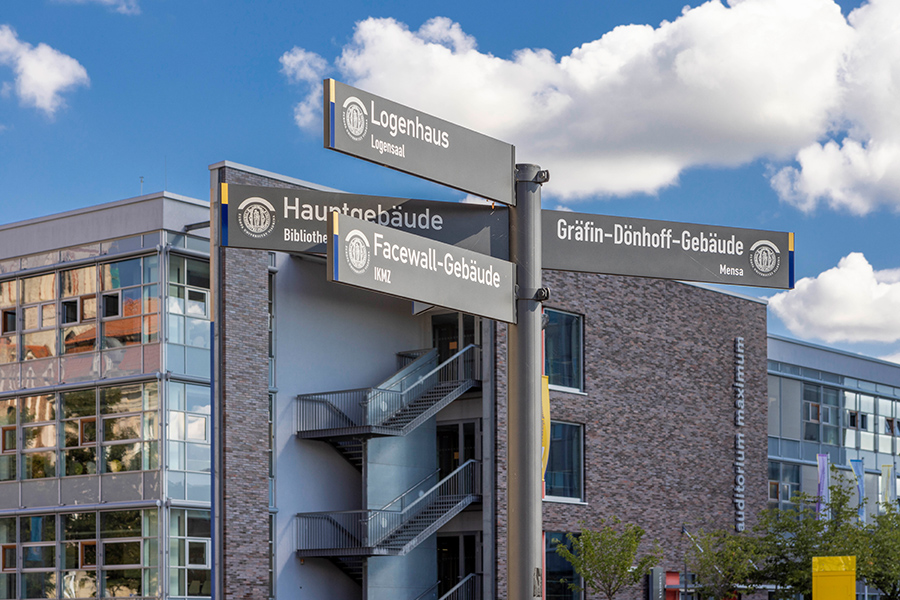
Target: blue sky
(765,114)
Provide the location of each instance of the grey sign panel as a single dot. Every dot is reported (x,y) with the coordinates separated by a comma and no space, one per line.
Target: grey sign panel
(389,261)
(375,129)
(666,250)
(291,220)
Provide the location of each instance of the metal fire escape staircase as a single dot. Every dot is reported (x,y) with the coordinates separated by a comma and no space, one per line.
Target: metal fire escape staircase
(417,392)
(395,529)
(346,419)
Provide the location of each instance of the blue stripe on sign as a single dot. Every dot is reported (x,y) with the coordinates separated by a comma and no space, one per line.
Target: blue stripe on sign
(336,258)
(791,271)
(331,120)
(224,220)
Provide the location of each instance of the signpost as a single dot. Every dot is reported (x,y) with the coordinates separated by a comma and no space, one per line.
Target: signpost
(387,133)
(296,220)
(666,250)
(368,255)
(389,261)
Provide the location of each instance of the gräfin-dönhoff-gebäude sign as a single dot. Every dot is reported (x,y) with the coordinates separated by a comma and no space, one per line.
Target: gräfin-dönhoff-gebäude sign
(296,220)
(393,135)
(667,250)
(381,259)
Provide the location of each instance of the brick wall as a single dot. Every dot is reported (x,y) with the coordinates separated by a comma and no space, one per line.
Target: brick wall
(658,413)
(246,413)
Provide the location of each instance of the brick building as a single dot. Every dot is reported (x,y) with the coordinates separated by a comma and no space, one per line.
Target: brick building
(642,376)
(355,447)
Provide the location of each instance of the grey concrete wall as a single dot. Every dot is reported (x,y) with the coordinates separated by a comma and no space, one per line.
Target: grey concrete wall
(403,577)
(102,222)
(833,361)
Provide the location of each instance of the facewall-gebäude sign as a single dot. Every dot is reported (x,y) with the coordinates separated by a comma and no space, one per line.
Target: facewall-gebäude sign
(381,259)
(294,220)
(667,250)
(393,135)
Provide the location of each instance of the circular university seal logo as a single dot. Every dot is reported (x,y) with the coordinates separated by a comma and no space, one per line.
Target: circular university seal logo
(357,251)
(765,258)
(355,118)
(256,216)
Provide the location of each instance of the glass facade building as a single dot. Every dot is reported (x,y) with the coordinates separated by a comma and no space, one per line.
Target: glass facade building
(105,407)
(823,401)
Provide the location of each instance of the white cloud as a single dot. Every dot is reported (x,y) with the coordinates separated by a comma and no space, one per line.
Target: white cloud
(862,172)
(301,66)
(892,358)
(42,73)
(628,112)
(851,302)
(125,7)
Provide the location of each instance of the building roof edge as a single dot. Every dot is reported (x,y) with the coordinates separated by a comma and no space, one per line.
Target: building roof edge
(262,172)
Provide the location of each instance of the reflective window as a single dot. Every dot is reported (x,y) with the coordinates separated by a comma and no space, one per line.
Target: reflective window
(560,572)
(563,349)
(189,450)
(564,474)
(190,553)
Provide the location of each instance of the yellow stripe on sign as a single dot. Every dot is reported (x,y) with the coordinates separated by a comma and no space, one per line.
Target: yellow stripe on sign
(224,198)
(791,241)
(334,215)
(330,83)
(831,564)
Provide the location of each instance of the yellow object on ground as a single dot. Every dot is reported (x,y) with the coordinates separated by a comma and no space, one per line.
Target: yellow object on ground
(834,578)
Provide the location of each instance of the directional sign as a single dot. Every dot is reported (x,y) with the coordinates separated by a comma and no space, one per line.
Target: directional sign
(294,220)
(666,250)
(382,259)
(375,129)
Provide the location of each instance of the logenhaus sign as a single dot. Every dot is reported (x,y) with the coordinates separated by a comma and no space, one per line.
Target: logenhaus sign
(296,220)
(667,250)
(381,259)
(393,135)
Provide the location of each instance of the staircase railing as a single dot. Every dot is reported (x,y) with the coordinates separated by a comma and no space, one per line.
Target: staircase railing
(348,408)
(384,531)
(462,482)
(384,403)
(373,407)
(412,494)
(467,589)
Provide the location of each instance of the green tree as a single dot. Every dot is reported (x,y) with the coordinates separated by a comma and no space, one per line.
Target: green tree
(607,559)
(878,558)
(788,539)
(723,562)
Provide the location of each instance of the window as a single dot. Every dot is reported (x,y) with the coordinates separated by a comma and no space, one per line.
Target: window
(38,416)
(821,414)
(563,348)
(560,572)
(190,553)
(8,324)
(564,475)
(80,432)
(38,298)
(784,484)
(188,431)
(188,329)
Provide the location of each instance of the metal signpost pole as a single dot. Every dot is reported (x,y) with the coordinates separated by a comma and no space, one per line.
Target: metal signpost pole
(524,399)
